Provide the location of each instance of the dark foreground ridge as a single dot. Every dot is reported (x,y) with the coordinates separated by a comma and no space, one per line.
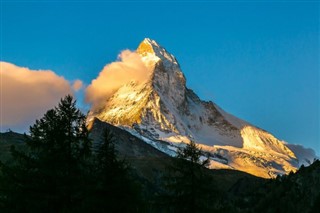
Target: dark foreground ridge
(234,191)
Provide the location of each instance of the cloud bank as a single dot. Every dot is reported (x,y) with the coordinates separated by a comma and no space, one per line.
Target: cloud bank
(130,67)
(27,94)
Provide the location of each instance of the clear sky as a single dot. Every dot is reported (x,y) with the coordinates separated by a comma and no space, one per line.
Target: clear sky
(258,60)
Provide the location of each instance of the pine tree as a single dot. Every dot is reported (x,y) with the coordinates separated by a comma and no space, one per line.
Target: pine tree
(51,174)
(113,190)
(189,185)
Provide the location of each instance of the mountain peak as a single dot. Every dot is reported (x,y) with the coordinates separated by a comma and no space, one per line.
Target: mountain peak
(146,46)
(166,71)
(150,42)
(149,48)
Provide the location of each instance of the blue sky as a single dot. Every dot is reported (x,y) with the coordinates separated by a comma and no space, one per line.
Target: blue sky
(258,60)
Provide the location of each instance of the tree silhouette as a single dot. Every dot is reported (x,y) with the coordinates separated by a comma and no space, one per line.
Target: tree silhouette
(189,185)
(50,174)
(113,189)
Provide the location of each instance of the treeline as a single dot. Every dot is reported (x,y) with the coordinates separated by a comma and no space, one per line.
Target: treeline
(295,192)
(59,172)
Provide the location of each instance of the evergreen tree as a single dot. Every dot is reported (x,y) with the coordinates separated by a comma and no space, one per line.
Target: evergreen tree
(49,176)
(113,190)
(189,186)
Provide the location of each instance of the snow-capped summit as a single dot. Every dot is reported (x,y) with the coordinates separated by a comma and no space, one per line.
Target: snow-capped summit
(151,49)
(164,109)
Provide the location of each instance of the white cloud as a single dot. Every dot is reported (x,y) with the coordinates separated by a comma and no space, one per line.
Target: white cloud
(130,67)
(27,94)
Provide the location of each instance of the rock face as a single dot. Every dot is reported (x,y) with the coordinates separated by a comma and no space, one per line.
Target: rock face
(164,109)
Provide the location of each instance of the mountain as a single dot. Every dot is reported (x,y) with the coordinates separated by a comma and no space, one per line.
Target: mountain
(162,109)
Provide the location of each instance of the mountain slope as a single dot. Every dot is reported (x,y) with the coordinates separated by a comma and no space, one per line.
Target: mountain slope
(150,164)
(164,109)
(8,139)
